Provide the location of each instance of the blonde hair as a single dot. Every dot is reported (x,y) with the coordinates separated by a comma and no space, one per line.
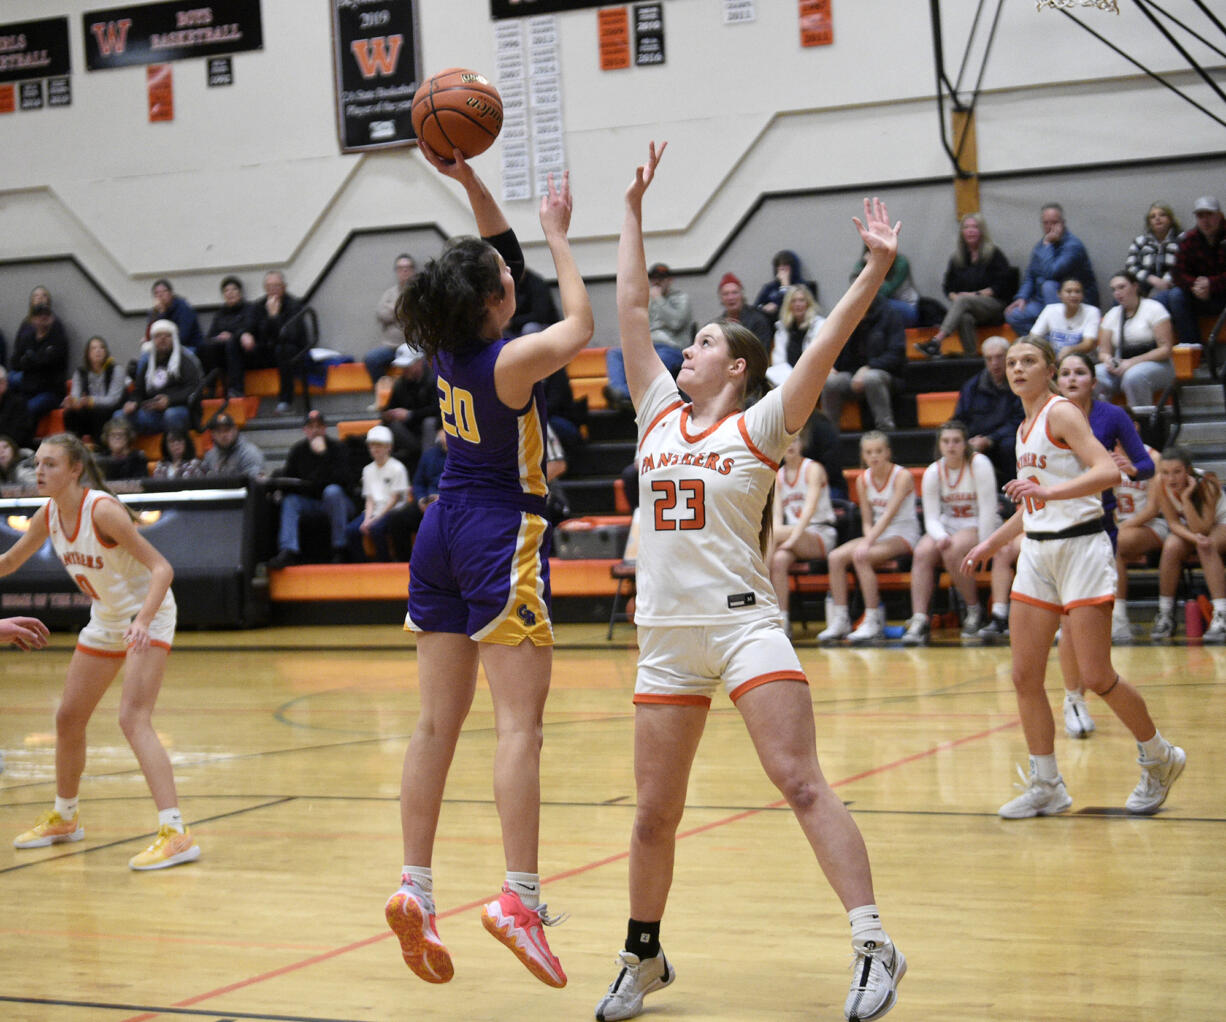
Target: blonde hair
(79,454)
(785,307)
(874,435)
(1045,349)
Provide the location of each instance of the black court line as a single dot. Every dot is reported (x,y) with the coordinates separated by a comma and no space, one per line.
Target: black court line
(221,1016)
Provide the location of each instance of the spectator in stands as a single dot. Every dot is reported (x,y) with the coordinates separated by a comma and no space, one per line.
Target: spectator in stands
(121,460)
(735,310)
(557,507)
(179,459)
(958,493)
(232,326)
(1134,345)
(991,411)
(404,519)
(534,305)
(98,386)
(799,322)
(886,495)
(785,273)
(1070,324)
(1142,530)
(385,486)
(897,289)
(231,454)
(166,383)
(870,364)
(378,359)
(1058,255)
(1200,267)
(278,338)
(412,405)
(671,321)
(1194,507)
(15,418)
(39,365)
(978,282)
(1152,255)
(321,463)
(168,305)
(10,458)
(567,416)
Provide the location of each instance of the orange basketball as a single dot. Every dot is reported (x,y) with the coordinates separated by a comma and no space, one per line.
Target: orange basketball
(457,109)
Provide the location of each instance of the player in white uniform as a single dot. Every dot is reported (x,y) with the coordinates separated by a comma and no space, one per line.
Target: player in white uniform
(131,624)
(1194,507)
(1065,567)
(886,494)
(706,610)
(803,527)
(959,500)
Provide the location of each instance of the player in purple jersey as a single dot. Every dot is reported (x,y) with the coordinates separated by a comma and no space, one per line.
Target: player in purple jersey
(479,573)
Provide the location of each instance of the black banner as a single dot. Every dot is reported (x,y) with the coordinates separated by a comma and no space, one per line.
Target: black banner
(529,8)
(162,32)
(648,34)
(377,60)
(34,49)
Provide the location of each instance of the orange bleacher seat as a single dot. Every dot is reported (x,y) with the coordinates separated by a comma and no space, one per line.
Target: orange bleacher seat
(1186,358)
(52,422)
(589,362)
(261,383)
(592,389)
(355,427)
(849,418)
(346,378)
(935,408)
(952,345)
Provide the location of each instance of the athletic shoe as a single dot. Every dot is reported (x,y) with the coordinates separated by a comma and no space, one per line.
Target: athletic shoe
(972,622)
(636,978)
(51,829)
(1216,632)
(1157,778)
(410,914)
(1077,720)
(931,348)
(876,973)
(996,629)
(917,631)
(871,628)
(839,626)
(169,848)
(1121,631)
(1163,626)
(1038,798)
(519,928)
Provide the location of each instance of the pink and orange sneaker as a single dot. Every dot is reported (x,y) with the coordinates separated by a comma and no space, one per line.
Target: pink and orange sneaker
(51,829)
(410,914)
(520,929)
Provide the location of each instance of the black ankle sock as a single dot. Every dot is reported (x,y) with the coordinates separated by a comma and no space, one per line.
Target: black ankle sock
(643,939)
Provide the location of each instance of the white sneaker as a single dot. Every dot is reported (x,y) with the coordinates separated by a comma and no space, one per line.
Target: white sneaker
(838,627)
(636,978)
(1163,626)
(972,622)
(1038,798)
(917,631)
(1077,720)
(1121,630)
(871,628)
(876,973)
(1216,632)
(1157,778)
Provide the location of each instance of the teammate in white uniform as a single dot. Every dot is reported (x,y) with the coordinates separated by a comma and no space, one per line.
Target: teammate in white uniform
(803,527)
(131,624)
(1065,567)
(1194,507)
(886,494)
(959,500)
(706,610)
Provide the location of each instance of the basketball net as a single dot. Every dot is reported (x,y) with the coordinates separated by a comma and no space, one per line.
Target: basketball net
(1064,5)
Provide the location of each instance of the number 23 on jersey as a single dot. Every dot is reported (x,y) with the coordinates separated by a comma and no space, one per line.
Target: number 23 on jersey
(678,504)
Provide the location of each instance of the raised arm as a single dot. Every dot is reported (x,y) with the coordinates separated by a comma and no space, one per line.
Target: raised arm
(633,292)
(489,216)
(804,384)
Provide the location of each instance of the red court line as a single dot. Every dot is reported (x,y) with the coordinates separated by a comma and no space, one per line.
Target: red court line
(586,868)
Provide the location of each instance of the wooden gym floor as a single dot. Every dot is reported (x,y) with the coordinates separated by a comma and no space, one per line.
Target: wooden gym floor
(288,744)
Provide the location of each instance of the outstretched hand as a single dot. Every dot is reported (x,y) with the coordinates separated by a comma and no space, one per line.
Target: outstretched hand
(457,167)
(23,632)
(878,236)
(556,206)
(645,173)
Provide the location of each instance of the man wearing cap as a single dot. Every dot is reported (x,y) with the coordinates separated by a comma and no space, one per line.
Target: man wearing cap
(671,322)
(378,359)
(385,486)
(321,464)
(231,454)
(1058,256)
(1200,266)
(737,310)
(411,405)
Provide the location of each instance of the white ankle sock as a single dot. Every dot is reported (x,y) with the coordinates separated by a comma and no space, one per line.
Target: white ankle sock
(1166,604)
(66,807)
(1120,610)
(1155,749)
(866,926)
(527,886)
(171,818)
(1044,767)
(1219,607)
(422,877)
(1000,610)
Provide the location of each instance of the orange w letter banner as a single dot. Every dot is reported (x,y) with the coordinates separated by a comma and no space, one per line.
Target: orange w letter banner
(816,26)
(377,59)
(162,32)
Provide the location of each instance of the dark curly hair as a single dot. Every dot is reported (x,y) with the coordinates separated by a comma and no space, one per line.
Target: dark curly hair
(444,305)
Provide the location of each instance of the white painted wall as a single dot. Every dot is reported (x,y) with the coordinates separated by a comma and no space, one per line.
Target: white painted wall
(251,176)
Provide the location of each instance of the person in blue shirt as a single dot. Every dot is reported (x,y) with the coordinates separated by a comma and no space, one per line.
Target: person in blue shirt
(1058,256)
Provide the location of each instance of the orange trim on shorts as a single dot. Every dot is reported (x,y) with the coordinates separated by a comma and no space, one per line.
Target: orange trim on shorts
(652,699)
(1055,608)
(160,645)
(1090,602)
(656,421)
(109,654)
(765,679)
(752,449)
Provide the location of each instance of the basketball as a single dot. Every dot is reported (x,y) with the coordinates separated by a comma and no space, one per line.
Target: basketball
(457,109)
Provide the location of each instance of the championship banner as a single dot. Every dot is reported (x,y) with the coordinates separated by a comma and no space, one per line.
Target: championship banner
(378,60)
(34,49)
(530,8)
(162,32)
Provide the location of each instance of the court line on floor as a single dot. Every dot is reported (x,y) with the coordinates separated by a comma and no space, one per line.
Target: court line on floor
(585,868)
